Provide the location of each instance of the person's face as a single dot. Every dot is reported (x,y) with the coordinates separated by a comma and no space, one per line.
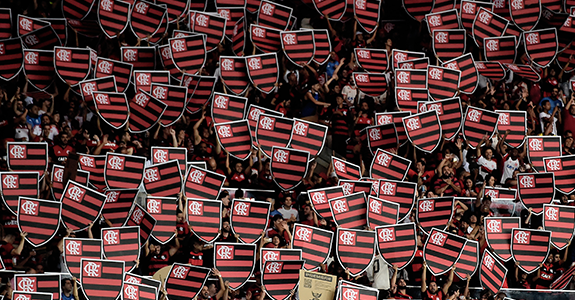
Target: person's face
(46,130)
(212,289)
(157,249)
(205,292)
(238,167)
(39,269)
(56,118)
(389,43)
(491,181)
(45,119)
(433,287)
(419,166)
(557,258)
(337,89)
(473,220)
(468,183)
(276,240)
(278,223)
(401,285)
(180,218)
(288,201)
(364,106)
(64,138)
(205,133)
(339,100)
(547,106)
(488,153)
(203,148)
(68,285)
(226,226)
(555,92)
(447,171)
(212,165)
(226,200)
(307,210)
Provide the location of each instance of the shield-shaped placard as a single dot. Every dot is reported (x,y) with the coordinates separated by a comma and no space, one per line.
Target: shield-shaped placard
(16,185)
(535,190)
(541,46)
(563,167)
(493,272)
(371,60)
(248,219)
(27,157)
(424,130)
(12,58)
(469,74)
(448,43)
(40,218)
(140,217)
(118,205)
(355,249)
(281,277)
(81,205)
(77,248)
(516,123)
(434,213)
(123,171)
(235,138)
(122,244)
(185,281)
(288,167)
(298,46)
(145,111)
(203,184)
(498,235)
(308,136)
(272,131)
(72,65)
(477,123)
(39,67)
(102,279)
(113,17)
(386,165)
(315,244)
(163,210)
(163,179)
(539,147)
(530,248)
(381,212)
(236,262)
(349,211)
(397,243)
(273,15)
(204,218)
(319,199)
(234,75)
(442,251)
(263,71)
(559,220)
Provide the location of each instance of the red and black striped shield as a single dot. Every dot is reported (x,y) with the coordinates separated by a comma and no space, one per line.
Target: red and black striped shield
(492,272)
(371,84)
(232,16)
(434,213)
(487,24)
(80,206)
(102,279)
(39,283)
(349,211)
(468,11)
(31,296)
(382,137)
(146,18)
(60,26)
(139,291)
(112,108)
(18,184)
(350,291)
(417,9)
(188,53)
(447,19)
(43,38)
(273,15)
(381,212)
(442,250)
(200,90)
(477,123)
(558,219)
(248,219)
(498,235)
(203,184)
(535,190)
(322,46)
(541,46)
(314,243)
(236,262)
(238,37)
(394,118)
(539,147)
(265,39)
(288,167)
(175,9)
(423,130)
(95,165)
(273,254)
(204,218)
(163,179)
(407,100)
(367,14)
(122,244)
(235,138)
(57,178)
(468,261)
(102,84)
(527,72)
(175,97)
(371,60)
(469,74)
(5,23)
(563,167)
(319,200)
(212,25)
(263,71)
(355,186)
(27,24)
(298,46)
(411,79)
(562,281)
(77,9)
(493,70)
(140,217)
(500,49)
(308,136)
(281,277)
(27,157)
(39,218)
(442,82)
(121,71)
(113,17)
(185,281)
(525,13)
(118,205)
(253,116)
(163,210)
(345,170)
(72,65)
(516,123)
(272,131)
(123,171)
(449,111)
(332,9)
(397,243)
(355,249)
(416,64)
(142,281)
(497,193)
(164,154)
(233,72)
(77,248)
(142,58)
(530,248)
(386,165)
(400,192)
(39,68)
(145,111)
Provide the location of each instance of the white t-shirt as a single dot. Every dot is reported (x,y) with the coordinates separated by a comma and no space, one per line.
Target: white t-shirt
(544,114)
(488,164)
(349,93)
(378,273)
(509,167)
(288,213)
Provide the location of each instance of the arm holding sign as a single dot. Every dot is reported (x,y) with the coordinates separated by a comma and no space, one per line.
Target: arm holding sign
(75,289)
(449,281)
(424,277)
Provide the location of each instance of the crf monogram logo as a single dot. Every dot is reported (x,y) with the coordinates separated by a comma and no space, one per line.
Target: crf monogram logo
(254,63)
(141,99)
(23,297)
(347,238)
(413,124)
(180,272)
(88,88)
(350,294)
(75,193)
(131,292)
(226,14)
(404,95)
(552,214)
(488,262)
(102,99)
(281,156)
(161,156)
(10,182)
(303,234)
(375,134)
(494,225)
(441,37)
(259,32)
(268,9)
(434,21)
(141,8)
(241,209)
(426,206)
(484,17)
(143,79)
(387,188)
(225,252)
(492,45)
(26,24)
(399,57)
(105,67)
(340,206)
(92,269)
(27,284)
(386,235)
(435,73)
(274,267)
(160,92)
(383,159)
(195,208)
(116,162)
(131,279)
(360,4)
(137,216)
(130,54)
(151,175)
(554,165)
(225,131)
(480,65)
(536,145)
(384,119)
(532,38)
(196,176)
(227,64)
(452,66)
(112,196)
(271,255)
(517,4)
(28,207)
(202,20)
(289,39)
(221,102)
(438,238)
(59,175)
(406,65)
(178,45)
(111,237)
(469,8)
(255,114)
(32,58)
(300,128)
(521,237)
(503,119)
(527,181)
(492,193)
(403,77)
(363,54)
(361,78)
(73,248)
(267,123)
(318,198)
(64,55)
(153,206)
(473,115)
(347,188)
(375,206)
(339,166)
(436,107)
(106,5)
